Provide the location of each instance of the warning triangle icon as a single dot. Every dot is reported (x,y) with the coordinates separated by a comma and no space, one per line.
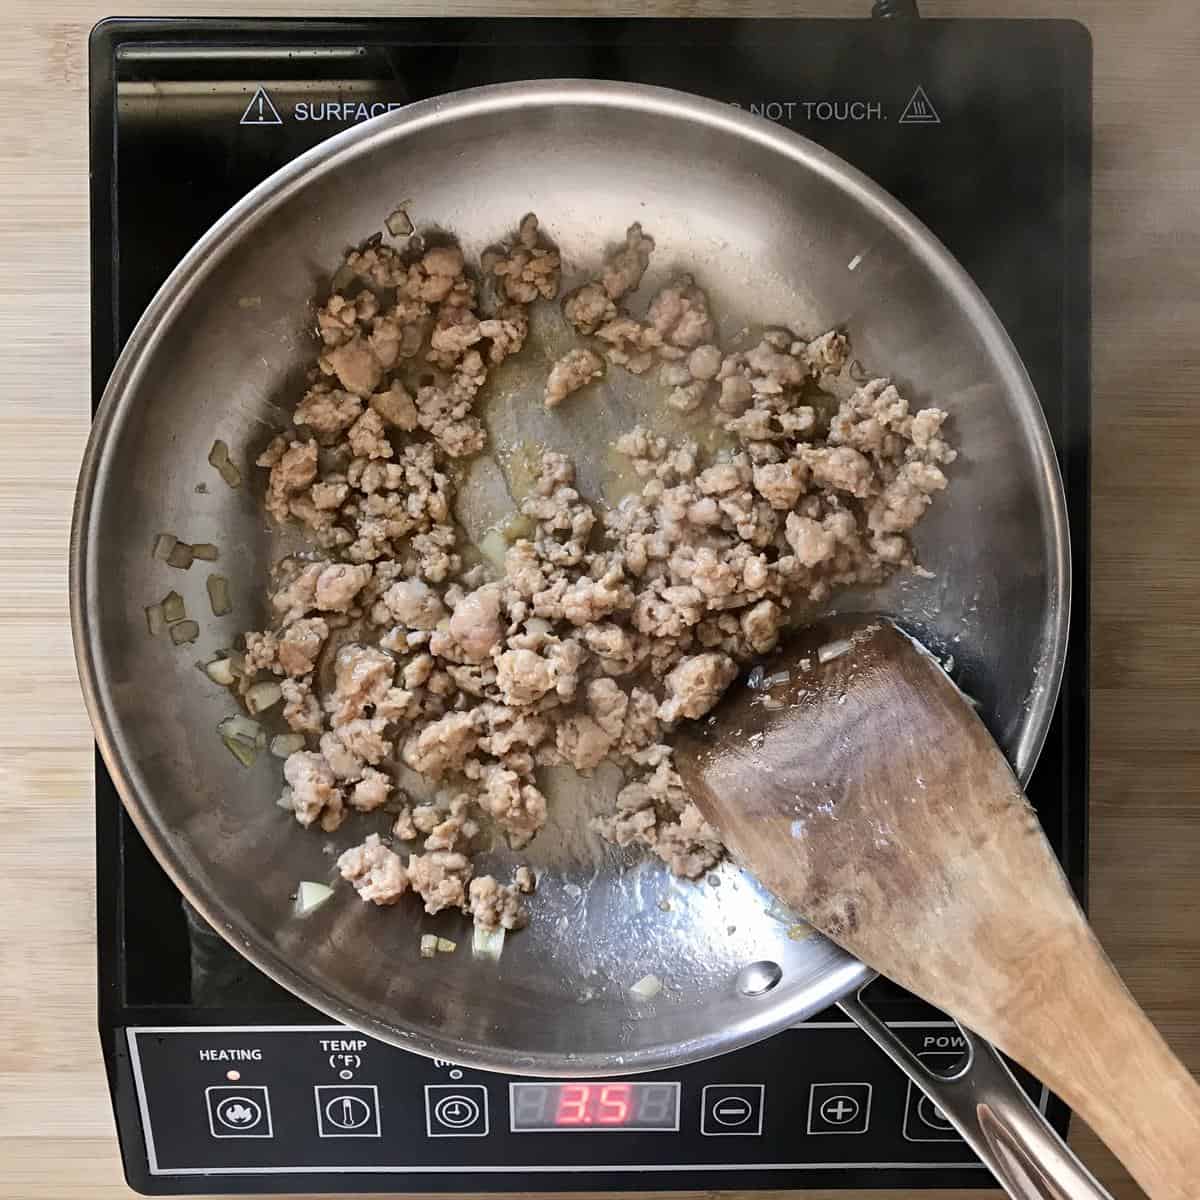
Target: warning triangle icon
(919,110)
(261,110)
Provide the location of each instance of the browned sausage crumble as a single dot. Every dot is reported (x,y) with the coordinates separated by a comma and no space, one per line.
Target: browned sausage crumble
(608,624)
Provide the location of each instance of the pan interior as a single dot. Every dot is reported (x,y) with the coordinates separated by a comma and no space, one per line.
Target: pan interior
(768,225)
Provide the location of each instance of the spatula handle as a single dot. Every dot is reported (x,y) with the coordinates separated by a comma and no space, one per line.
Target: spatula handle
(1096,1048)
(994,1116)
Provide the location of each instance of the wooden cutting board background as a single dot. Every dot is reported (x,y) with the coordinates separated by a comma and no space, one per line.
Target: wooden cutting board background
(56,1134)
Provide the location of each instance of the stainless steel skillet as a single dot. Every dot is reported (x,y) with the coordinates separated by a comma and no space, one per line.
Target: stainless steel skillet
(776,228)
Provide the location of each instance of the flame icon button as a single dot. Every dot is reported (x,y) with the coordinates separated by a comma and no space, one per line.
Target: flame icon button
(239,1112)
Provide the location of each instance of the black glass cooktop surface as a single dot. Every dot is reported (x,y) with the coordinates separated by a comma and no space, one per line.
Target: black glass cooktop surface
(222,1081)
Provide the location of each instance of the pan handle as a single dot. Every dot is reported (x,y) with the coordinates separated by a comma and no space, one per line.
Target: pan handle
(990,1110)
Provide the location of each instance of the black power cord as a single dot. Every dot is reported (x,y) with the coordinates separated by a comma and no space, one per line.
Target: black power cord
(895,10)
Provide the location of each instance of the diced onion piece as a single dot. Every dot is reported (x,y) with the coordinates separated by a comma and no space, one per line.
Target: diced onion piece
(311,895)
(832,650)
(399,223)
(243,753)
(183,632)
(155,621)
(242,727)
(446,946)
(517,526)
(493,547)
(262,696)
(780,912)
(778,677)
(164,544)
(800,931)
(241,737)
(205,551)
(488,943)
(286,801)
(284,745)
(220,670)
(755,679)
(218,457)
(218,595)
(173,608)
(428,945)
(646,988)
(180,557)
(342,278)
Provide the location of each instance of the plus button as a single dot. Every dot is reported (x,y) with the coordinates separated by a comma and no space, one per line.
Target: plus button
(839,1111)
(839,1108)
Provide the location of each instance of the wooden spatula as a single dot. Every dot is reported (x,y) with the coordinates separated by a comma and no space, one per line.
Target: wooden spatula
(861,787)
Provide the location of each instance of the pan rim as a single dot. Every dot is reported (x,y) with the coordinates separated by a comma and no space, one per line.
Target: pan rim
(845,975)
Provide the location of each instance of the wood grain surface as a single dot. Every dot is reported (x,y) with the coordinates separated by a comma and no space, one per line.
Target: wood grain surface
(56,1132)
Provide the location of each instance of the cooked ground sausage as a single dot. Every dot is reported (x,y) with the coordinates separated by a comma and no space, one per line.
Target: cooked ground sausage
(605,626)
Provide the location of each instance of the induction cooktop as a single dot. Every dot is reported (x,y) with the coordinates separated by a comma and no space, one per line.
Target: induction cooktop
(221,1081)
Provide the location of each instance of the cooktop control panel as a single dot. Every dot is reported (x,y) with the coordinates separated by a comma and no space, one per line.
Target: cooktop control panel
(260,1101)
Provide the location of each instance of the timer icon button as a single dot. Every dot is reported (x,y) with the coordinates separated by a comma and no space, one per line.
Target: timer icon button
(732,1109)
(456,1110)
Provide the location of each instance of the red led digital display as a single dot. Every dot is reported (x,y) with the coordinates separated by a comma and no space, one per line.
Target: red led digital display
(547,1107)
(593,1103)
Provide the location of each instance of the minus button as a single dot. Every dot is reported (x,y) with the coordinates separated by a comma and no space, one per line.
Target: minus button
(731,1109)
(735,1111)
